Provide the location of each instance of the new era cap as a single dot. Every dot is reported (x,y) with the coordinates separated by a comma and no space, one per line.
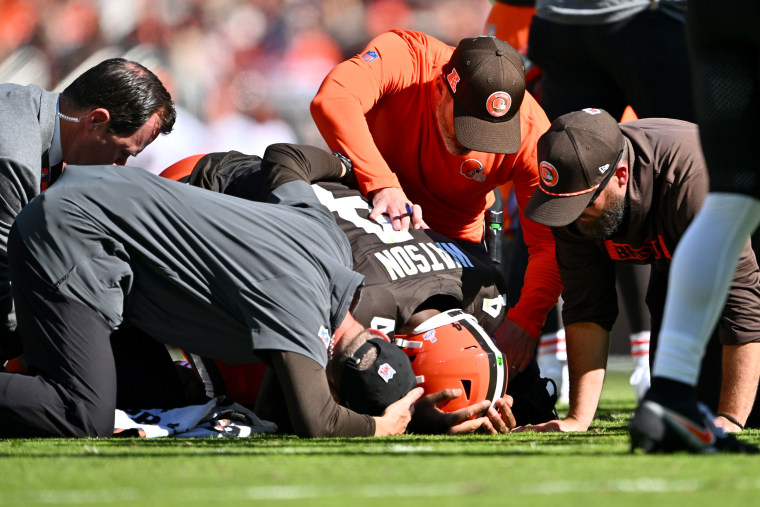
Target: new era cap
(577,156)
(386,381)
(486,77)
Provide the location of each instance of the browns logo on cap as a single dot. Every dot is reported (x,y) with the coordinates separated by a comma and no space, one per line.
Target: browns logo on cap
(548,174)
(498,104)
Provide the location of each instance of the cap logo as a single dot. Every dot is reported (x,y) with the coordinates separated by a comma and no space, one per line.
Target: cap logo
(548,173)
(603,169)
(386,372)
(498,104)
(592,110)
(473,169)
(453,79)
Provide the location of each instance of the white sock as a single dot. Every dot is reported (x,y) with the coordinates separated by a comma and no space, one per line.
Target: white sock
(640,345)
(552,360)
(701,271)
(640,354)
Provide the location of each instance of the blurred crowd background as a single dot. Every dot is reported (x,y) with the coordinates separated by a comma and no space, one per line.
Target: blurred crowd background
(242,72)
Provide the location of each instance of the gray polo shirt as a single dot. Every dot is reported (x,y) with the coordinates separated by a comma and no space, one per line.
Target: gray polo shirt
(213,274)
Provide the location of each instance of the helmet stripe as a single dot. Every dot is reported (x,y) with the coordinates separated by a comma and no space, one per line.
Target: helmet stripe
(498,374)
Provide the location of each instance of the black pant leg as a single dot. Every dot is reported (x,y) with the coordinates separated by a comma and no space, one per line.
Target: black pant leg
(632,280)
(70,390)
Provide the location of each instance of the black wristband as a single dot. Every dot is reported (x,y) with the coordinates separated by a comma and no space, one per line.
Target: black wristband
(726,416)
(346,162)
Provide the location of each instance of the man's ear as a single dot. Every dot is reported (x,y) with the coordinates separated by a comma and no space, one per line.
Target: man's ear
(97,117)
(622,173)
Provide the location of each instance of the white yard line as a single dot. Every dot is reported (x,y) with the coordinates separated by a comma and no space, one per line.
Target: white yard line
(386,491)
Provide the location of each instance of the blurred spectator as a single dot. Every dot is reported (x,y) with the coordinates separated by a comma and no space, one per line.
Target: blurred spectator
(247,69)
(17,24)
(242,118)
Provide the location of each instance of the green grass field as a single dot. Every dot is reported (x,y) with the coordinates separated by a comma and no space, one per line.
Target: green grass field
(592,468)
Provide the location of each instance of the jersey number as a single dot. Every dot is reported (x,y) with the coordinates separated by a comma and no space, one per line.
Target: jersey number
(346,208)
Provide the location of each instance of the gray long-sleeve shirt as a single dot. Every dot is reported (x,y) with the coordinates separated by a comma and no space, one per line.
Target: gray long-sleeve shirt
(215,275)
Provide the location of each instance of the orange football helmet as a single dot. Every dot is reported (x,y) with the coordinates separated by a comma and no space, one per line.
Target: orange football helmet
(182,168)
(452,351)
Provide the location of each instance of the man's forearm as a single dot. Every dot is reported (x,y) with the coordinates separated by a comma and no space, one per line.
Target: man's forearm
(312,410)
(587,349)
(339,116)
(543,284)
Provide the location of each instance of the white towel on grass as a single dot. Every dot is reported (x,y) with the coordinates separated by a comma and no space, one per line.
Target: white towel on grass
(219,418)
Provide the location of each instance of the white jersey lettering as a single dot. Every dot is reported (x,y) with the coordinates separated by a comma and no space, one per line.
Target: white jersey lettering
(436,264)
(493,307)
(404,260)
(408,260)
(421,262)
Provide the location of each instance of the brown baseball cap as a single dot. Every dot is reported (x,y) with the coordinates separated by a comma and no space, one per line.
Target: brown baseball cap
(577,156)
(486,77)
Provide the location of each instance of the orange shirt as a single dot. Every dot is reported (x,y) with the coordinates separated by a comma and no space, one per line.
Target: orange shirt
(511,23)
(378,108)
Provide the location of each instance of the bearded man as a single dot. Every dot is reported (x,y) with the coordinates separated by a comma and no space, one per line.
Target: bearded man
(625,194)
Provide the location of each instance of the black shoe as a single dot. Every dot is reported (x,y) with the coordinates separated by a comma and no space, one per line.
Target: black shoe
(656,428)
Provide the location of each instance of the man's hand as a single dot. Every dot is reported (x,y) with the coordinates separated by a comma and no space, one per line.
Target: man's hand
(429,418)
(567,425)
(396,417)
(393,202)
(726,425)
(516,344)
(500,415)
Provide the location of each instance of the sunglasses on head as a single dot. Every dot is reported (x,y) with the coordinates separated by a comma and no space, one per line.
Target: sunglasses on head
(606,179)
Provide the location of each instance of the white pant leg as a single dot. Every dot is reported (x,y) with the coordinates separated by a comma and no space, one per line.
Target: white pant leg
(701,272)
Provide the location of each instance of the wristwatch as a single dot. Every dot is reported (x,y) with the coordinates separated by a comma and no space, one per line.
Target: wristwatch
(346,162)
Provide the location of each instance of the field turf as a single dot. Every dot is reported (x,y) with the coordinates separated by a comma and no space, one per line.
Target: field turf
(527,469)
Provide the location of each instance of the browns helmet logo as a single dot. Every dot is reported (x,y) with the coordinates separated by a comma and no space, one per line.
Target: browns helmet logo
(548,174)
(498,104)
(473,169)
